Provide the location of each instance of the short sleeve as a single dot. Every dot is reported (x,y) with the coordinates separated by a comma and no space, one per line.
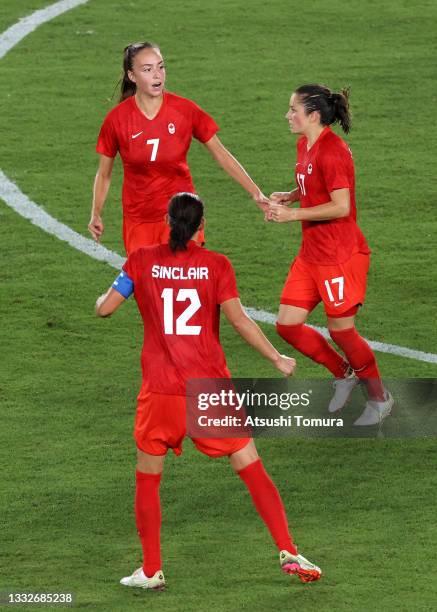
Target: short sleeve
(204,126)
(107,142)
(299,147)
(129,267)
(336,173)
(226,281)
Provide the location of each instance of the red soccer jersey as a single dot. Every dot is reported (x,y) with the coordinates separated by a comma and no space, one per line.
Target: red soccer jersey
(154,151)
(327,166)
(179,296)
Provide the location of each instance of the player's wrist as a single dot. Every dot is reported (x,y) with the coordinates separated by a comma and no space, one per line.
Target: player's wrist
(275,358)
(99,303)
(294,195)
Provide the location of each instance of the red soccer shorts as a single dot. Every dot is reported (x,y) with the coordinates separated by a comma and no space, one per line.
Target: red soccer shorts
(341,287)
(137,234)
(160,424)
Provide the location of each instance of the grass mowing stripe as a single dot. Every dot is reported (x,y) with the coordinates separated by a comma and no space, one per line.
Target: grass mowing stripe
(17,200)
(359,508)
(30,210)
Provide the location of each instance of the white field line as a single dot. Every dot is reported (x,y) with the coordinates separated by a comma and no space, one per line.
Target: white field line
(26,25)
(19,202)
(381,347)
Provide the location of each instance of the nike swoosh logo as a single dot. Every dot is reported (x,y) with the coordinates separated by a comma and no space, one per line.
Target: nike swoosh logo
(338,303)
(136,135)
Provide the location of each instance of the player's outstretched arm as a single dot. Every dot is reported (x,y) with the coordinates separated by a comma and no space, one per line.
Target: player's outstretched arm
(109,302)
(249,330)
(102,183)
(235,170)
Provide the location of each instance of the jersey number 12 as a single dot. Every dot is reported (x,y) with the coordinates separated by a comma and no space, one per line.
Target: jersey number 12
(182,329)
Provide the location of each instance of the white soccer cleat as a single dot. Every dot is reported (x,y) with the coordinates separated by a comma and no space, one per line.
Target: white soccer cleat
(375,412)
(140,580)
(297,564)
(343,389)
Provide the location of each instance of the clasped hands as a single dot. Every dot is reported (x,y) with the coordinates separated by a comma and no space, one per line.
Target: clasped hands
(275,207)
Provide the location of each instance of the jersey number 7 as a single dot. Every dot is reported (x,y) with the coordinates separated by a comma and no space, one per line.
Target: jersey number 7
(182,329)
(155,144)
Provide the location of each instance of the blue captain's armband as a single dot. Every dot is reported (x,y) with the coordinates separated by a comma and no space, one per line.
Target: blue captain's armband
(123,284)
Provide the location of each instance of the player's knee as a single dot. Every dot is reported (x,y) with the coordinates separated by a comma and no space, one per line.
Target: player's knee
(149,464)
(244,457)
(342,335)
(293,315)
(289,333)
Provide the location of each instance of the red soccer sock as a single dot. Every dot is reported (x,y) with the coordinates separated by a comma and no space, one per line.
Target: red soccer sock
(362,360)
(148,518)
(312,344)
(268,503)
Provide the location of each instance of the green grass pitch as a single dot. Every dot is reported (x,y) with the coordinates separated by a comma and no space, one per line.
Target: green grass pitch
(363,509)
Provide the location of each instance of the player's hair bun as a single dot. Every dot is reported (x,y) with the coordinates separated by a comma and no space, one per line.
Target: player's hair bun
(185,213)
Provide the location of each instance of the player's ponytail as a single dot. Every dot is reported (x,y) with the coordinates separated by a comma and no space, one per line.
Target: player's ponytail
(128,87)
(340,103)
(333,107)
(185,213)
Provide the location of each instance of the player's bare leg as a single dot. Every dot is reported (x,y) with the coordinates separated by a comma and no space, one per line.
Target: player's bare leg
(292,315)
(244,457)
(148,518)
(268,503)
(150,464)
